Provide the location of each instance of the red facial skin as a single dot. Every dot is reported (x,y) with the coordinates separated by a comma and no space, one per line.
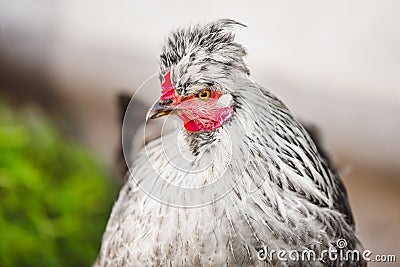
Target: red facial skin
(197,114)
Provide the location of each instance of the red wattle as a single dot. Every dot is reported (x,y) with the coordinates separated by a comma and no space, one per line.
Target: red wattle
(207,123)
(192,126)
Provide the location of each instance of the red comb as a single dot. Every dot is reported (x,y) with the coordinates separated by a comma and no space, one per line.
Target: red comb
(167,90)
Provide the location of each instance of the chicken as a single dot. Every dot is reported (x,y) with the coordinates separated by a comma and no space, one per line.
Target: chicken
(239,179)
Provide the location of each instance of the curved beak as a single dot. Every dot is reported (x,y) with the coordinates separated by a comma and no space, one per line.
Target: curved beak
(158,110)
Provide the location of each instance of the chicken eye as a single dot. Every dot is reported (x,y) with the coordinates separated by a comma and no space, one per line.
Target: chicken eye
(204,94)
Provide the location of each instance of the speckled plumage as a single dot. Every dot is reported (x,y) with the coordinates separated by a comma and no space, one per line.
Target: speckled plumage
(276,191)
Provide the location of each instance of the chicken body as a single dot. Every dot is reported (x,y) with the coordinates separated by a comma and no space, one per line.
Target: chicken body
(233,191)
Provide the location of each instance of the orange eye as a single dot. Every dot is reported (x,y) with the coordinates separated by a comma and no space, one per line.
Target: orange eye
(204,94)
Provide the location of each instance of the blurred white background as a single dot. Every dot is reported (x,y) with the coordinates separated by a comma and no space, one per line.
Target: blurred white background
(334,63)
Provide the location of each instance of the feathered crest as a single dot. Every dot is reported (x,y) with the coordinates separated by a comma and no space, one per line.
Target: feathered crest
(214,41)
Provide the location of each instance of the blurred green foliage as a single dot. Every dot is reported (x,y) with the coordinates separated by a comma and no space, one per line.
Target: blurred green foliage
(54,197)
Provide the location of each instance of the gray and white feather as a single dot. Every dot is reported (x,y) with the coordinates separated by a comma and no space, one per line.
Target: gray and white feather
(283,195)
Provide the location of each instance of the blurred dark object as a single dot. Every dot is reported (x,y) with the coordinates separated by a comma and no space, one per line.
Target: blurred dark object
(316,136)
(133,118)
